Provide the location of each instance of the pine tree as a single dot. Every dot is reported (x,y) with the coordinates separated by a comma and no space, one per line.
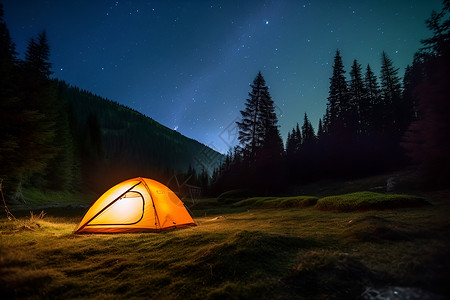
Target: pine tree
(290,150)
(37,55)
(259,128)
(371,108)
(308,134)
(338,102)
(294,142)
(391,96)
(251,128)
(261,144)
(356,98)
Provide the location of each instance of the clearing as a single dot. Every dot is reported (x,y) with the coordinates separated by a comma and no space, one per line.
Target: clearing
(262,248)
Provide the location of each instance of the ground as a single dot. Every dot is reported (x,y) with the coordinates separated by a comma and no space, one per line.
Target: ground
(242,251)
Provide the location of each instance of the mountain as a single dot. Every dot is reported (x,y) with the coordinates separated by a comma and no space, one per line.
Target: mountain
(132,144)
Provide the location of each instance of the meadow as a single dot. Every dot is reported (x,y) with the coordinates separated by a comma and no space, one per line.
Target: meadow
(257,248)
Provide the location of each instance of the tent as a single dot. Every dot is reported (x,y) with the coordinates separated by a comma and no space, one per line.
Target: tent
(136,205)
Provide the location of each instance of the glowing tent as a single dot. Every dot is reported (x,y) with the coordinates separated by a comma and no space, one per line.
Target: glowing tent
(136,205)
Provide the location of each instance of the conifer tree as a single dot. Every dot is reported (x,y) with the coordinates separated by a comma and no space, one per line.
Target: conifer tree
(251,128)
(259,127)
(37,55)
(391,96)
(356,98)
(371,108)
(308,134)
(294,142)
(338,102)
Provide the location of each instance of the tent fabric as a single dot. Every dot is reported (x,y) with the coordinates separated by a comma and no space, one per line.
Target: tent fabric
(136,205)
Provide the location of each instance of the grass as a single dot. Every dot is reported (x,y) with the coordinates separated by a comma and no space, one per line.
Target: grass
(258,249)
(369,200)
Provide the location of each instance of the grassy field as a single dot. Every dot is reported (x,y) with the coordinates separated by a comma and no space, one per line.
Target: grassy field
(258,248)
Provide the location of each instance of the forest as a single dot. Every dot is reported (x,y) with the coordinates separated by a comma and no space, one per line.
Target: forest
(372,124)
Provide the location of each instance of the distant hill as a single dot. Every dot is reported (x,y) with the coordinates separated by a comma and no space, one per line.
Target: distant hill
(133,144)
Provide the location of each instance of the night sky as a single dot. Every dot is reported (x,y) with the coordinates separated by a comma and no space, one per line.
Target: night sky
(188,64)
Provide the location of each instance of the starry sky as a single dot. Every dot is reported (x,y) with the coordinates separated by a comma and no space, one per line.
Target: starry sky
(188,64)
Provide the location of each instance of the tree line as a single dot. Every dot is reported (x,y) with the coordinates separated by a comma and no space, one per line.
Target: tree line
(372,124)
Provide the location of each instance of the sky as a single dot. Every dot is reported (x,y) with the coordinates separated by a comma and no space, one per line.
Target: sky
(188,64)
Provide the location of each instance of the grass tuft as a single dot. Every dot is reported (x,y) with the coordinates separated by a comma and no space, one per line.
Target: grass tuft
(369,200)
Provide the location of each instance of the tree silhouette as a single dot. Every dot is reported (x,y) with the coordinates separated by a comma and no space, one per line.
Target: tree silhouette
(356,99)
(309,137)
(37,55)
(251,128)
(371,107)
(338,100)
(391,96)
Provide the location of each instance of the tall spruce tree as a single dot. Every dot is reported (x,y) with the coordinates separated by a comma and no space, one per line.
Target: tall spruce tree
(294,142)
(251,129)
(391,96)
(356,99)
(259,125)
(290,148)
(37,55)
(309,137)
(371,108)
(338,99)
(261,143)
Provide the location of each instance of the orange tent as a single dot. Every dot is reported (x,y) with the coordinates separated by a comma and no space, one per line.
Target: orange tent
(136,205)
